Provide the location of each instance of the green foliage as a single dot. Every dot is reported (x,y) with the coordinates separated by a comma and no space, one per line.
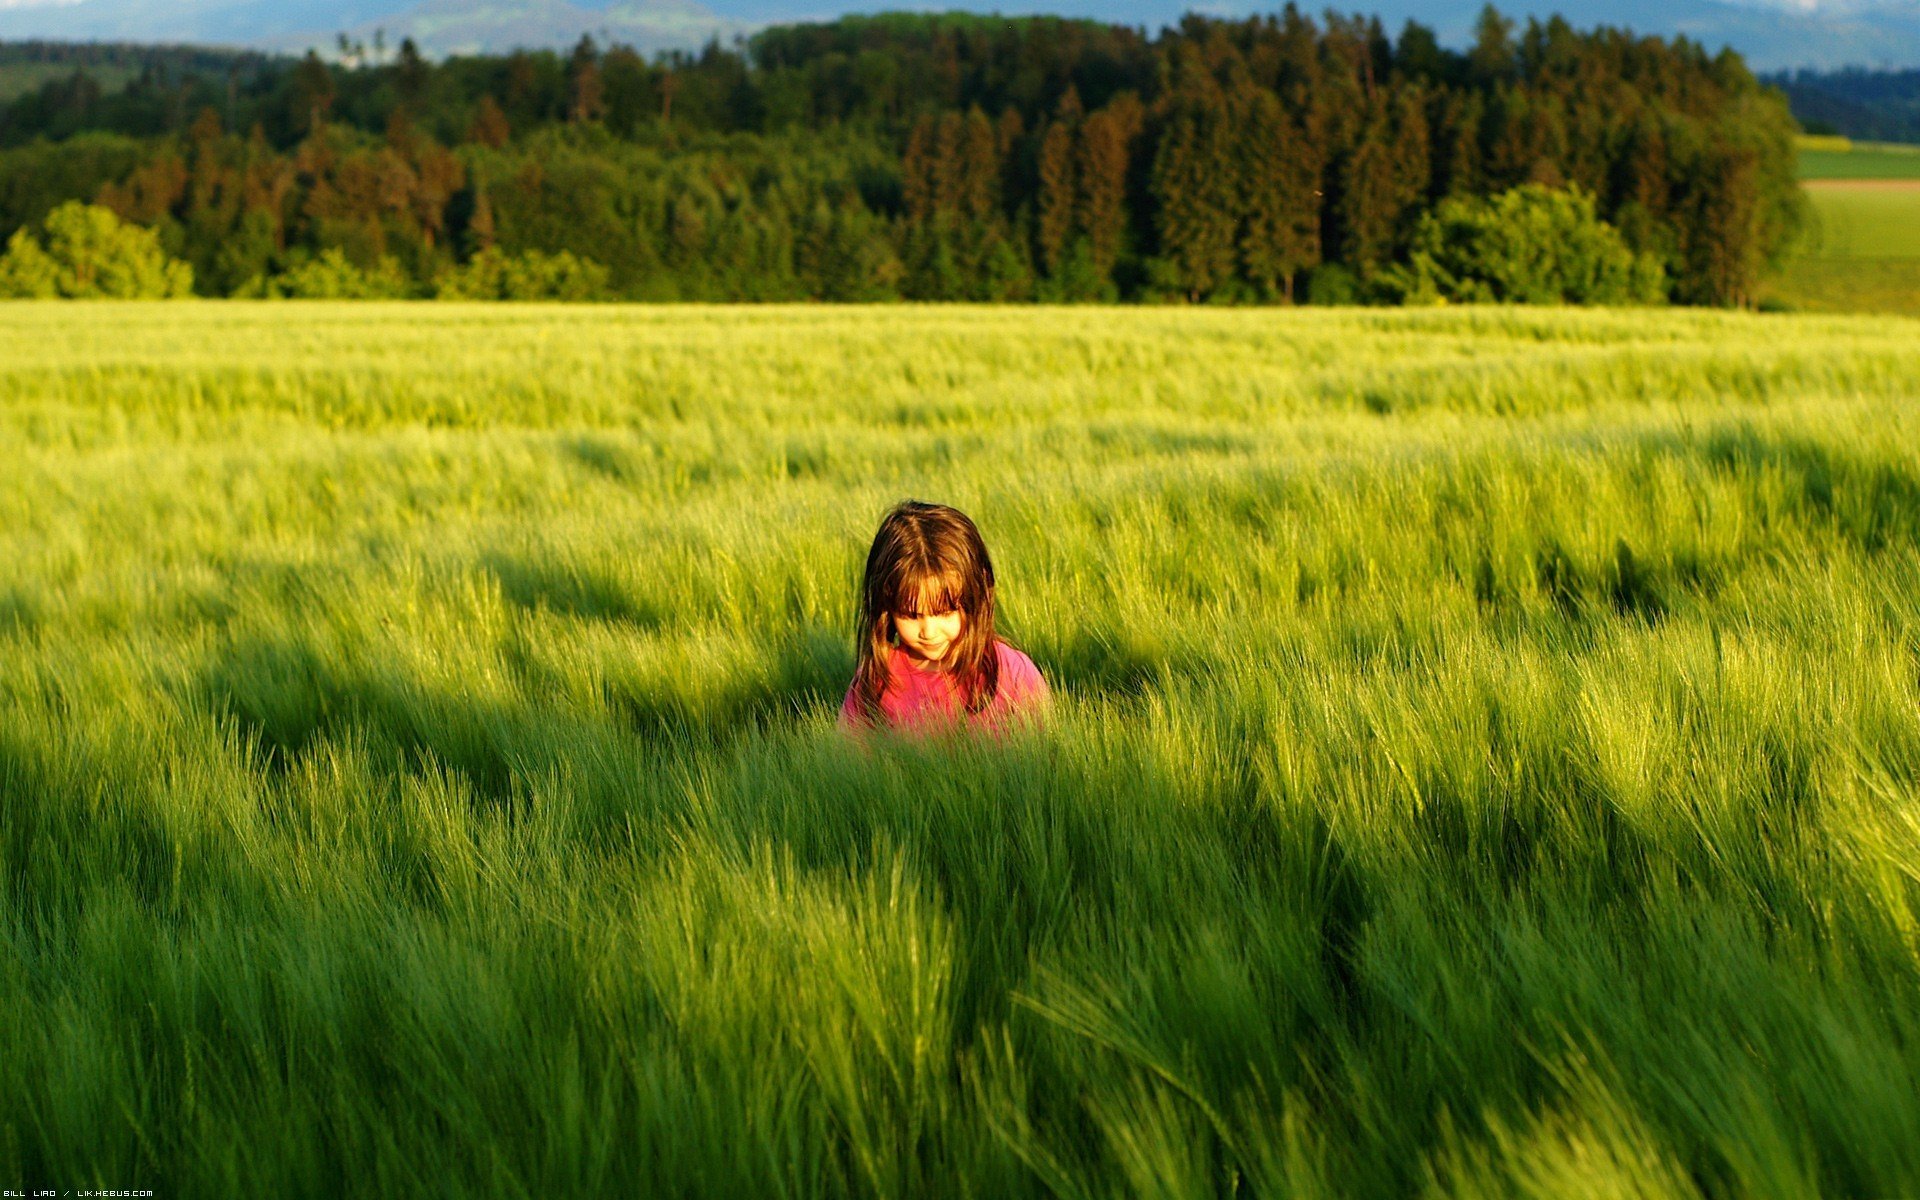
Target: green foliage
(27,272)
(958,159)
(89,254)
(529,275)
(331,275)
(38,178)
(1484,757)
(1332,283)
(1528,245)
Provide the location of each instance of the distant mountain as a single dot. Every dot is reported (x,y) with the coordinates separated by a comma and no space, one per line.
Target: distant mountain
(224,22)
(439,27)
(1768,36)
(1772,34)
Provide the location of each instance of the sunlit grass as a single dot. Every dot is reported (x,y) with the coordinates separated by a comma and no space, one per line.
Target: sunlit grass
(1485,761)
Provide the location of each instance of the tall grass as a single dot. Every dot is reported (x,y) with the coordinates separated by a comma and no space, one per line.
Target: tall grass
(1486,756)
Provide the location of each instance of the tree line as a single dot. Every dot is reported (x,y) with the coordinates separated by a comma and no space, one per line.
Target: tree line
(1274,159)
(1870,105)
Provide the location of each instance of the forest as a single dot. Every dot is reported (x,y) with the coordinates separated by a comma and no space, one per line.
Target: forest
(927,157)
(1859,103)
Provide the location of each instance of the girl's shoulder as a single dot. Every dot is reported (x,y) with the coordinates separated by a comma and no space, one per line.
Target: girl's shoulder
(1016,669)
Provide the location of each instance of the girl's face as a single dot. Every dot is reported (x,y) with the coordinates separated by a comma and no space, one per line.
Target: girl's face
(927,636)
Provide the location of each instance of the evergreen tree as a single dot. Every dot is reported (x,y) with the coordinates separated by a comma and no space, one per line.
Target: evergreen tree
(411,77)
(312,93)
(1368,203)
(1195,201)
(489,127)
(1102,170)
(1279,234)
(586,94)
(1057,187)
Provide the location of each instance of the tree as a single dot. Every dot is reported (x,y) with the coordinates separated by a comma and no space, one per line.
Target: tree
(1279,232)
(330,276)
(489,127)
(411,75)
(1723,249)
(91,254)
(1368,204)
(313,93)
(586,92)
(1103,163)
(1493,59)
(529,275)
(1054,203)
(1196,202)
(1528,245)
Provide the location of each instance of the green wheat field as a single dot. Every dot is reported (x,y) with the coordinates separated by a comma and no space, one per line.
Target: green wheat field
(1486,758)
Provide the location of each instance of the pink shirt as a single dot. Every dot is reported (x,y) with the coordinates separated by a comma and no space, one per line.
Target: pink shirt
(915,697)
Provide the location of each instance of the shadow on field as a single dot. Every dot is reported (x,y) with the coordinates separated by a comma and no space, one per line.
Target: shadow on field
(1870,502)
(806,671)
(287,695)
(1102,665)
(18,613)
(1823,493)
(51,810)
(571,590)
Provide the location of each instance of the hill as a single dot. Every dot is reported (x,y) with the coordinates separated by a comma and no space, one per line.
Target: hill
(440,27)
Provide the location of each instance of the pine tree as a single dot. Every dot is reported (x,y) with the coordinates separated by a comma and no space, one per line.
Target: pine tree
(1279,232)
(1195,201)
(489,127)
(1102,166)
(1457,145)
(1493,59)
(313,93)
(1368,201)
(978,183)
(1722,249)
(917,171)
(1054,201)
(586,93)
(411,76)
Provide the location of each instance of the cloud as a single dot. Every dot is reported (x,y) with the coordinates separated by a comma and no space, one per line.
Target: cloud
(1833,8)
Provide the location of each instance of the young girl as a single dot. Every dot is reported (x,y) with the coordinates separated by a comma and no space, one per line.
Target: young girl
(926,650)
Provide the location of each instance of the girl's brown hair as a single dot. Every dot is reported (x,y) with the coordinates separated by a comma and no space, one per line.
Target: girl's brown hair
(927,558)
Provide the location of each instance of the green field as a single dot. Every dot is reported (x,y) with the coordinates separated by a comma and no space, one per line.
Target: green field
(1862,253)
(1858,160)
(1487,758)
(1860,219)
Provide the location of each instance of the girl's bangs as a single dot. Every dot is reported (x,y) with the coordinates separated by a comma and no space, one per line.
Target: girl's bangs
(929,594)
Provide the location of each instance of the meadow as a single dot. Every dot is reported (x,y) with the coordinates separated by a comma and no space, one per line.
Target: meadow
(1485,758)
(1842,158)
(1866,219)
(1861,252)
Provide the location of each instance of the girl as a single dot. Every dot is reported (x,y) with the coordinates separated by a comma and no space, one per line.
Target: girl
(926,650)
